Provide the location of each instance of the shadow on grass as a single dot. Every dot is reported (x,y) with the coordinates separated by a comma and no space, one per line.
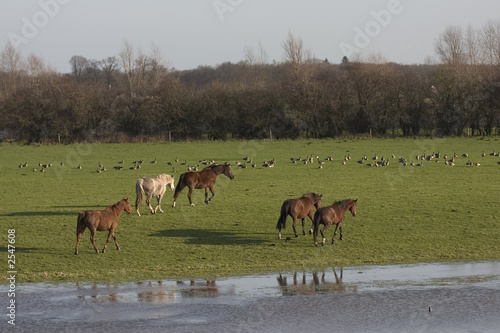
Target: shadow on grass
(3,249)
(45,213)
(208,237)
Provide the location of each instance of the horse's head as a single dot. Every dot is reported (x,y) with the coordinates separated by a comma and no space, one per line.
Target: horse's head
(353,207)
(168,180)
(228,172)
(317,200)
(127,206)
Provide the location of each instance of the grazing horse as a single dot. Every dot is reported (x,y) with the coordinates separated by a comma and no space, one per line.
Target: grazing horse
(202,179)
(298,208)
(152,187)
(333,214)
(101,220)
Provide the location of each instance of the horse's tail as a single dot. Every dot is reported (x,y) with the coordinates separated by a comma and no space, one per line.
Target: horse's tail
(80,226)
(139,194)
(180,185)
(284,213)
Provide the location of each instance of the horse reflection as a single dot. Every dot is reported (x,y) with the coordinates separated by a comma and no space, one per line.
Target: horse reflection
(317,285)
(202,289)
(157,296)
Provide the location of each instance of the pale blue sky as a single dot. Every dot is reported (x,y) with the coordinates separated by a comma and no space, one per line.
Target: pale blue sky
(190,33)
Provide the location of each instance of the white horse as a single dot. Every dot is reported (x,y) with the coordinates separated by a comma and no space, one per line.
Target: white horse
(149,187)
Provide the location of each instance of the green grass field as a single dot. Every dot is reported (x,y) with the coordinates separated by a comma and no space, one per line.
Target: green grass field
(429,213)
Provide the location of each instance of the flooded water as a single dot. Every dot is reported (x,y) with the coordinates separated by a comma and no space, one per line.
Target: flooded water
(462,297)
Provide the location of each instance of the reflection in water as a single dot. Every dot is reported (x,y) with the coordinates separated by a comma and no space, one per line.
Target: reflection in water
(462,296)
(315,286)
(206,288)
(148,292)
(157,296)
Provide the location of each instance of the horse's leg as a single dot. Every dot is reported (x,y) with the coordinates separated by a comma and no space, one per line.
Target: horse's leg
(80,228)
(335,232)
(189,195)
(311,216)
(340,229)
(294,225)
(78,237)
(114,238)
(206,193)
(92,239)
(176,194)
(148,202)
(303,227)
(327,225)
(158,207)
(107,241)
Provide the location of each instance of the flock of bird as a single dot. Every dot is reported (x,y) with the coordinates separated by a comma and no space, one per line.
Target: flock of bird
(374,161)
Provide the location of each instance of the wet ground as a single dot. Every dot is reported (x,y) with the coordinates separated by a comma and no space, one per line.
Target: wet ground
(462,297)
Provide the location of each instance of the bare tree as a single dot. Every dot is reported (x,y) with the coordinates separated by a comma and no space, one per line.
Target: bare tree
(127,58)
(109,66)
(78,64)
(11,63)
(490,42)
(472,43)
(255,57)
(35,68)
(450,46)
(157,65)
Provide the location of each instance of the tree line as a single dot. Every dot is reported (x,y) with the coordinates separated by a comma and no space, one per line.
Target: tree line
(134,96)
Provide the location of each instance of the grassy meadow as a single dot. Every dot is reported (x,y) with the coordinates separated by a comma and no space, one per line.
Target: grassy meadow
(428,213)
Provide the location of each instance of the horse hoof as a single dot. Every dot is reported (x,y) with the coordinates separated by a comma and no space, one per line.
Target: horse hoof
(173,205)
(76,252)
(192,204)
(296,236)
(310,232)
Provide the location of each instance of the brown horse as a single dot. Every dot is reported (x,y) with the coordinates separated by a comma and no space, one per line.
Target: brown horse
(333,214)
(202,179)
(298,208)
(101,220)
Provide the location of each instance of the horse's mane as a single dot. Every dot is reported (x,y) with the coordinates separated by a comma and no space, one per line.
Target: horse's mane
(215,165)
(211,166)
(342,203)
(115,206)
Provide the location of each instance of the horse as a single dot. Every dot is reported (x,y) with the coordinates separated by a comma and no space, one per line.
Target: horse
(202,179)
(150,187)
(333,214)
(101,220)
(298,208)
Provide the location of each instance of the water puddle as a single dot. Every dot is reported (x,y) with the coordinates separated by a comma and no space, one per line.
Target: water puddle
(423,297)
